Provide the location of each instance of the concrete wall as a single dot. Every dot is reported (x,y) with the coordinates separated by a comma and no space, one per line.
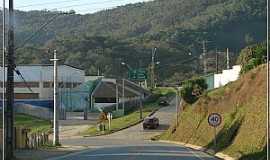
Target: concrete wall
(36,111)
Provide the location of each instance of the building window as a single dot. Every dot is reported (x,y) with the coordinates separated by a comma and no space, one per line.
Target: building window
(76,85)
(68,85)
(26,84)
(47,85)
(61,85)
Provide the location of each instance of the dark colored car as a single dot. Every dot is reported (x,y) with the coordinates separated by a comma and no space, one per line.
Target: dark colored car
(163,103)
(150,123)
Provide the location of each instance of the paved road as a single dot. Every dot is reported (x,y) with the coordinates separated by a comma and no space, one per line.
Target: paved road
(144,151)
(133,144)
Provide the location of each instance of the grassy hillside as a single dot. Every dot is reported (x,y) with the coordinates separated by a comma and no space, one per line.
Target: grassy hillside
(100,41)
(242,105)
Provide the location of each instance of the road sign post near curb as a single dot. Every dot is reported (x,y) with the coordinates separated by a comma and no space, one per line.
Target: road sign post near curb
(109,117)
(214,120)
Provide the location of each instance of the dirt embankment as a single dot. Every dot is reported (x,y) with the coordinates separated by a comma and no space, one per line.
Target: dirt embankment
(242,105)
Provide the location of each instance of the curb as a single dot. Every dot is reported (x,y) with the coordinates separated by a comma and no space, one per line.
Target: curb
(218,155)
(113,131)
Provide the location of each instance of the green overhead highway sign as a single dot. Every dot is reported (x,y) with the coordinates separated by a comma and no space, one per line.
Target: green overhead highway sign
(137,74)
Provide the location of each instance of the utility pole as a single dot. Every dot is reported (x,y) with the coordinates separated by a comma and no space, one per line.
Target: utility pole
(176,106)
(204,57)
(98,72)
(153,68)
(9,116)
(4,79)
(116,95)
(228,59)
(56,108)
(141,106)
(217,61)
(123,95)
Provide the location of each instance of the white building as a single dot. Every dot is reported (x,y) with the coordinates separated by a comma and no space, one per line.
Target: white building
(39,80)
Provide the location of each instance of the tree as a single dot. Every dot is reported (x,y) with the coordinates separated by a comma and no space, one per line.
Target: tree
(192,89)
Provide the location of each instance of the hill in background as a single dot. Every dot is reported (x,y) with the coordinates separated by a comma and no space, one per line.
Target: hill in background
(102,40)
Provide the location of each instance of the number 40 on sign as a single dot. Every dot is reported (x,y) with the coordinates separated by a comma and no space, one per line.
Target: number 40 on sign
(214,119)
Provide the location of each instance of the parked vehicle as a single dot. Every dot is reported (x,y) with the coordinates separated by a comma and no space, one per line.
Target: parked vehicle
(150,123)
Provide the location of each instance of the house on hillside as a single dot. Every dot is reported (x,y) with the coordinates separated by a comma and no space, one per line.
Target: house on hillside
(221,79)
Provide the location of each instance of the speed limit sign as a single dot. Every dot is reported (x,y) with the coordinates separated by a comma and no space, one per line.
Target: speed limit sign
(214,119)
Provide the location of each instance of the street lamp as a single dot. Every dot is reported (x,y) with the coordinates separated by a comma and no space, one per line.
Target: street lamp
(125,64)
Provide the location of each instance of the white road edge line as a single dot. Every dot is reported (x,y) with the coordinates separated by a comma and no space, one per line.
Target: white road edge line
(72,154)
(195,154)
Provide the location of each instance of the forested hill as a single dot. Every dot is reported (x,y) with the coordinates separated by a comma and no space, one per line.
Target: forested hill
(127,33)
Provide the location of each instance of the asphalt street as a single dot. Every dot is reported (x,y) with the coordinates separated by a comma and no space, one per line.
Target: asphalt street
(133,144)
(145,151)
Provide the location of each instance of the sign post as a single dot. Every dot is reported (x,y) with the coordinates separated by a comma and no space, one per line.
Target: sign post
(109,117)
(214,120)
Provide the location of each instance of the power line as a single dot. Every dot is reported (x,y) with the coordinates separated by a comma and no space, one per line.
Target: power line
(46,3)
(175,65)
(41,28)
(24,81)
(78,5)
(70,6)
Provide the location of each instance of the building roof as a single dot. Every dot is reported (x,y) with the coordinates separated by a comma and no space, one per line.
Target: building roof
(44,72)
(108,90)
(44,65)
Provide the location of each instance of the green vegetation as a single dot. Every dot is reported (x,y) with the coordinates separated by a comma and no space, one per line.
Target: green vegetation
(125,121)
(32,123)
(252,56)
(193,89)
(242,105)
(164,91)
(128,33)
(29,122)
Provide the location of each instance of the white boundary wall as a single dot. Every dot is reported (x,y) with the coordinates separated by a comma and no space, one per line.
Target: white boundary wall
(227,76)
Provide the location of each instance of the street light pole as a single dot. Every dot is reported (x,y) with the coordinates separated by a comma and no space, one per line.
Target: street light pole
(56,109)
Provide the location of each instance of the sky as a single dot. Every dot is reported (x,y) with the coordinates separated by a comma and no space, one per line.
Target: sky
(80,6)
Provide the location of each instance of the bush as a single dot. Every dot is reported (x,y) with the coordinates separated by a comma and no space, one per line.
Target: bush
(192,89)
(252,56)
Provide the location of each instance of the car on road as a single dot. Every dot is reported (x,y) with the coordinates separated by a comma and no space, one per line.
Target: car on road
(163,102)
(150,123)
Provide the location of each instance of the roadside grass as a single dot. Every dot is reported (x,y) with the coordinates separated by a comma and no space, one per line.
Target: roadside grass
(33,123)
(29,122)
(242,105)
(123,122)
(164,91)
